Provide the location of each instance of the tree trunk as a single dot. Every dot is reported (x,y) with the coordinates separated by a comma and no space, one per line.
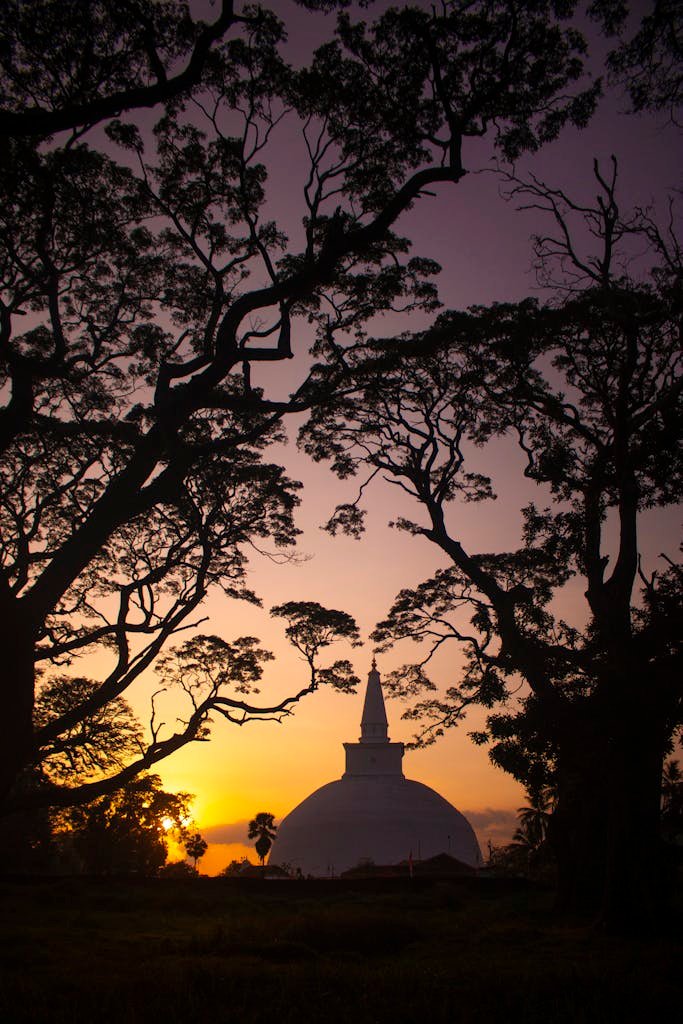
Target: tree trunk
(635,884)
(577,829)
(606,830)
(17,695)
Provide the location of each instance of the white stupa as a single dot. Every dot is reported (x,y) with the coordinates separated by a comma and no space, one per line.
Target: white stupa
(373,812)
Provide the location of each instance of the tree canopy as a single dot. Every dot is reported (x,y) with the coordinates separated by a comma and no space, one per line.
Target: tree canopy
(263,829)
(195,847)
(142,277)
(127,832)
(589,385)
(648,59)
(103,58)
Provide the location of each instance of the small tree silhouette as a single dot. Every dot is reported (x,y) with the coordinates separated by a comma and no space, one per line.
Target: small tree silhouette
(533,818)
(195,847)
(672,801)
(262,828)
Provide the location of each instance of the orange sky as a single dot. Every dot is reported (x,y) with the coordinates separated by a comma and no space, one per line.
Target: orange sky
(272,767)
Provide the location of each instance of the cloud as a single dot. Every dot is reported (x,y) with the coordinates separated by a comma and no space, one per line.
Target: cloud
(231,832)
(496,824)
(490,816)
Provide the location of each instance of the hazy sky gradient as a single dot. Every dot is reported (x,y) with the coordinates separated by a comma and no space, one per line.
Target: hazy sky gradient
(483,246)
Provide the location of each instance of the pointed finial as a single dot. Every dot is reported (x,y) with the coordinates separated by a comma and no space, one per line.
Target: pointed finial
(373,724)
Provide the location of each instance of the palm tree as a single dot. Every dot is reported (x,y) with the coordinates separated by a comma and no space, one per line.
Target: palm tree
(672,779)
(534,817)
(672,800)
(195,847)
(262,828)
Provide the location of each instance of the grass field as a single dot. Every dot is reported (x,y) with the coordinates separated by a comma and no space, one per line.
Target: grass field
(85,950)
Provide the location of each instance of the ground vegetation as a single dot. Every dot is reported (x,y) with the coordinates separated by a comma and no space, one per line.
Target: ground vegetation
(373,950)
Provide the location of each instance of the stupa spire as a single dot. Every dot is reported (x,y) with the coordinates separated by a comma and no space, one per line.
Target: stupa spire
(373,724)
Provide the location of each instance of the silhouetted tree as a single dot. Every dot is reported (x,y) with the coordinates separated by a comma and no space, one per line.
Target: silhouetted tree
(590,387)
(235,868)
(263,829)
(672,801)
(101,742)
(533,818)
(127,832)
(106,58)
(142,282)
(195,847)
(28,843)
(649,63)
(177,869)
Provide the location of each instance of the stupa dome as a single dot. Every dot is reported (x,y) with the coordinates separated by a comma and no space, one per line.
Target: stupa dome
(373,812)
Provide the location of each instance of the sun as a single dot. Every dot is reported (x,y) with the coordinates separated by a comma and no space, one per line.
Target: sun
(169,823)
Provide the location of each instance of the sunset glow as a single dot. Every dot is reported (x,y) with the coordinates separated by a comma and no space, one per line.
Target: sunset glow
(248,312)
(483,246)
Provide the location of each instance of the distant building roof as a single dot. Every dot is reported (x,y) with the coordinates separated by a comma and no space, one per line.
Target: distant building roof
(441,866)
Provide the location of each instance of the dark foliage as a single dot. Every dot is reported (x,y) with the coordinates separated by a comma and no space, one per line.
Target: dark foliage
(380,950)
(142,279)
(195,847)
(126,832)
(590,387)
(648,60)
(263,829)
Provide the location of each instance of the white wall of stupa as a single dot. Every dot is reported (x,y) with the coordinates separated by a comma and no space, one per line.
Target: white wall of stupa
(373,813)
